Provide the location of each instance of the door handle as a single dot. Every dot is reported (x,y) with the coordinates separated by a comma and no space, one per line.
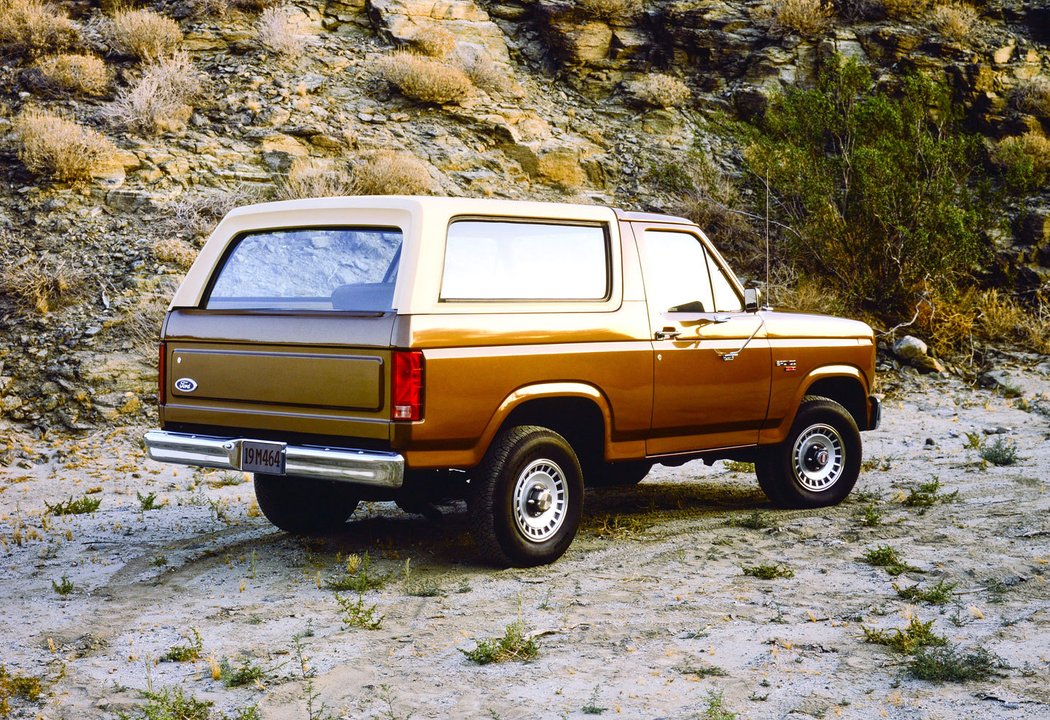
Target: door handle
(668,334)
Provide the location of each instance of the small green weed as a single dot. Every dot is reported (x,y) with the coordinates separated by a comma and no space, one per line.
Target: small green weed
(973,441)
(700,670)
(219,509)
(886,557)
(739,467)
(226,479)
(768,572)
(171,704)
(357,615)
(592,707)
(907,641)
(716,708)
(246,673)
(870,516)
(63,587)
(1001,452)
(24,687)
(754,521)
(190,650)
(880,464)
(939,594)
(618,527)
(946,664)
(80,506)
(147,502)
(359,576)
(513,645)
(927,494)
(422,587)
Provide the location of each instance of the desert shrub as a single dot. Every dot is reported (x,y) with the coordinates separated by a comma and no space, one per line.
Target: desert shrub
(874,187)
(615,10)
(279,30)
(311,177)
(562,167)
(42,283)
(253,5)
(900,9)
(949,664)
(174,251)
(483,72)
(1023,161)
(198,213)
(433,41)
(952,318)
(1033,96)
(84,74)
(388,172)
(805,17)
(34,27)
(659,90)
(954,21)
(425,79)
(143,34)
(162,99)
(58,148)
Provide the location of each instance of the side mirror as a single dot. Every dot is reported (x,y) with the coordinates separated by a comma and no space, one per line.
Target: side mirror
(752,299)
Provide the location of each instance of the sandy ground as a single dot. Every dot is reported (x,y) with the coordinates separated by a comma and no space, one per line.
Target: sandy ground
(648,615)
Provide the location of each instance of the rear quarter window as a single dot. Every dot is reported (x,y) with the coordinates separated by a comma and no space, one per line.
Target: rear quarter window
(333,269)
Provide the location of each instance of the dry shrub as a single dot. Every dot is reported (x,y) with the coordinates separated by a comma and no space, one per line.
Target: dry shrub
(42,284)
(805,17)
(804,294)
(388,172)
(253,5)
(144,34)
(1033,96)
(425,79)
(162,100)
(84,74)
(280,31)
(614,10)
(433,41)
(196,214)
(483,72)
(954,21)
(34,27)
(953,319)
(312,177)
(174,251)
(1024,161)
(60,149)
(659,90)
(899,9)
(562,167)
(210,8)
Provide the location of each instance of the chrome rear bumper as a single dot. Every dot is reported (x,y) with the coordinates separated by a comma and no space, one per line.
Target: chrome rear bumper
(359,467)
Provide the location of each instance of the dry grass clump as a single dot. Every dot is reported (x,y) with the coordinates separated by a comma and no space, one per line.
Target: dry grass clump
(162,100)
(144,34)
(34,27)
(83,74)
(659,90)
(388,172)
(1024,161)
(197,214)
(623,10)
(562,167)
(1033,96)
(42,284)
(433,41)
(60,149)
(483,72)
(313,177)
(953,319)
(253,5)
(899,9)
(425,79)
(954,21)
(280,31)
(805,17)
(174,251)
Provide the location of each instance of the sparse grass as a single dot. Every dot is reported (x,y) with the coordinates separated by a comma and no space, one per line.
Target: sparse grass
(754,521)
(562,167)
(768,572)
(699,670)
(422,587)
(927,494)
(425,79)
(876,463)
(163,98)
(147,502)
(174,251)
(73,73)
(433,41)
(33,27)
(280,31)
(357,615)
(617,527)
(23,687)
(620,10)
(187,651)
(389,172)
(483,71)
(870,516)
(60,149)
(748,468)
(716,708)
(514,645)
(80,506)
(171,704)
(314,177)
(947,664)
(64,586)
(245,673)
(659,90)
(954,21)
(886,557)
(41,284)
(1001,452)
(973,441)
(804,17)
(359,577)
(939,594)
(143,34)
(901,9)
(592,707)
(1023,160)
(1032,96)
(907,641)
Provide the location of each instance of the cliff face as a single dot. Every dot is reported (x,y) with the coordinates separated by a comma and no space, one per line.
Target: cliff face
(544,99)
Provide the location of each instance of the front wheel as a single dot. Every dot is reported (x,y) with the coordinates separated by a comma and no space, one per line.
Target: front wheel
(526,497)
(304,506)
(818,463)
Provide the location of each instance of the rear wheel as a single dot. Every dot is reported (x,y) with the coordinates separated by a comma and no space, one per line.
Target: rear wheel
(526,497)
(304,506)
(818,463)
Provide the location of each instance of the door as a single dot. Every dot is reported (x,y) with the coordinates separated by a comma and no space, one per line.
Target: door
(711,358)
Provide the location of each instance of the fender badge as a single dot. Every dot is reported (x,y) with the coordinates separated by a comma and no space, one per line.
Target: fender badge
(788,365)
(186,385)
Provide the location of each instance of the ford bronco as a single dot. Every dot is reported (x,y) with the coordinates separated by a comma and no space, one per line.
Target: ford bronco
(508,353)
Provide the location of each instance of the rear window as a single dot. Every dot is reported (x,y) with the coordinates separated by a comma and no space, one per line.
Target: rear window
(349,269)
(496,260)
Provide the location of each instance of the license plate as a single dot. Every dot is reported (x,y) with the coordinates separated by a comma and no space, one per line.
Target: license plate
(262,457)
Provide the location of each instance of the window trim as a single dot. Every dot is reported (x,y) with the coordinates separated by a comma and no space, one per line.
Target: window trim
(709,250)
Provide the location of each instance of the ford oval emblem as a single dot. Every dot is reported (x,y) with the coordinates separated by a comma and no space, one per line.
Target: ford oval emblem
(186,385)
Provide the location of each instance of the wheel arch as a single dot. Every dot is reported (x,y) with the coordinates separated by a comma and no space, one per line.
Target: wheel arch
(845,384)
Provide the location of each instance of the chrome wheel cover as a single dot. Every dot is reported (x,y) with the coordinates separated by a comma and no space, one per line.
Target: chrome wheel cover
(540,500)
(818,457)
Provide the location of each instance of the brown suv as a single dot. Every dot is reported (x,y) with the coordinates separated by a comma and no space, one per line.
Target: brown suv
(415,348)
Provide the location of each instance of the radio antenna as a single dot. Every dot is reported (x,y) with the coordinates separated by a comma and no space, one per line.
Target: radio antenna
(769,291)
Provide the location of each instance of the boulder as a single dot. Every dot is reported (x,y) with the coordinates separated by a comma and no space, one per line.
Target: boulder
(913,351)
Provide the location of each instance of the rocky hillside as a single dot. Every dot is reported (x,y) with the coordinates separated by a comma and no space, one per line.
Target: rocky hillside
(125,134)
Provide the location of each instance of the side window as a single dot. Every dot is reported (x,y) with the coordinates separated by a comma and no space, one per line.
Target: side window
(494,260)
(674,266)
(726,299)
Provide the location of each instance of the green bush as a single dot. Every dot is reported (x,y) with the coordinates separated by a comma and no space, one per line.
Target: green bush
(876,186)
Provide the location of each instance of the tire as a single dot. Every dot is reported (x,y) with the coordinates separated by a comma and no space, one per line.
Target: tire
(304,506)
(621,474)
(526,497)
(818,463)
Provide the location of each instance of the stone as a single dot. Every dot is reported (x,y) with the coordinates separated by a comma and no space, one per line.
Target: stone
(130,200)
(584,43)
(1035,227)
(913,351)
(1002,55)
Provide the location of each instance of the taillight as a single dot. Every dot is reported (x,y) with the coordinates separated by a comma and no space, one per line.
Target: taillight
(162,363)
(406,385)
